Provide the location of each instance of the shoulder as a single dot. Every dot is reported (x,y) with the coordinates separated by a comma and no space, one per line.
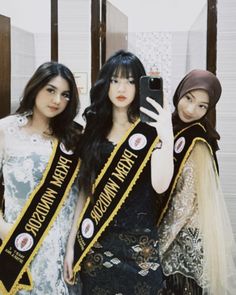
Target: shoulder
(192,131)
(201,154)
(202,146)
(7,121)
(11,124)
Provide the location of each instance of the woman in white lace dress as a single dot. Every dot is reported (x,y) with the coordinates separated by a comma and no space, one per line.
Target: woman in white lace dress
(46,112)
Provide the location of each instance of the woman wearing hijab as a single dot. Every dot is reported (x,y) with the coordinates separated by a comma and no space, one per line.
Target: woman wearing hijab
(196,240)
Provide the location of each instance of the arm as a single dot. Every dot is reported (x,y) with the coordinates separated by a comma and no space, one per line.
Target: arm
(4,226)
(69,257)
(181,209)
(162,165)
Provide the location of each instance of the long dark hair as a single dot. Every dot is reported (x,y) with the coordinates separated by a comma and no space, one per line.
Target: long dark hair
(98,115)
(62,126)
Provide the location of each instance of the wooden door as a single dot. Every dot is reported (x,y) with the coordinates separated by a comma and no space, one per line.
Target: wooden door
(116,30)
(109,33)
(5,66)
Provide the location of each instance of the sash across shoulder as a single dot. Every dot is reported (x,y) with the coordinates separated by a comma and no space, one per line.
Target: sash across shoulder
(35,220)
(113,186)
(184,142)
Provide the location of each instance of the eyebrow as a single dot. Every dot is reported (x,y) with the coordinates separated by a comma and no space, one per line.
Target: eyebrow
(205,102)
(54,87)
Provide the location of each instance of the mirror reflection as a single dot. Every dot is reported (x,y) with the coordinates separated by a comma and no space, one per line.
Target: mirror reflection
(29,40)
(169,37)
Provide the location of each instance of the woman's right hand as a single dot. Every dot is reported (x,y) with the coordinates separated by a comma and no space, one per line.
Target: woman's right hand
(68,266)
(162,120)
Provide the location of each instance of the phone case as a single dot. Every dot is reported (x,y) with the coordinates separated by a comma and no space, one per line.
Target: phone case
(152,87)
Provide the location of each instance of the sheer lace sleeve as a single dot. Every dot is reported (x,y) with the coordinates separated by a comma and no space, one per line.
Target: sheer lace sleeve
(181,208)
(196,237)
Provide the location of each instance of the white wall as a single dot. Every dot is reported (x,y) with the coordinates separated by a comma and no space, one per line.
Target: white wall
(29,15)
(160,15)
(30,40)
(174,45)
(74,18)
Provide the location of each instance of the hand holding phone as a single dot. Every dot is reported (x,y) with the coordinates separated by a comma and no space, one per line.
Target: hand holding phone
(150,86)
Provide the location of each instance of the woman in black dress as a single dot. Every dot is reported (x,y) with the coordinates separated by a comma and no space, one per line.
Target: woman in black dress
(122,256)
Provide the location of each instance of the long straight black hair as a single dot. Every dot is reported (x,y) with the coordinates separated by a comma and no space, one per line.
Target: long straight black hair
(63,127)
(98,115)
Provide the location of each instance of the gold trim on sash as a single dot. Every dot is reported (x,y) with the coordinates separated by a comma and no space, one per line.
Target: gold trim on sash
(25,269)
(183,161)
(153,143)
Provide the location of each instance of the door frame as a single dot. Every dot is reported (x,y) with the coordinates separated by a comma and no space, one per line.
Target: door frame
(211,53)
(98,38)
(5,65)
(98,30)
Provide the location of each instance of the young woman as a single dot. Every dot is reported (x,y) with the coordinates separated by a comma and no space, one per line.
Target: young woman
(124,167)
(39,162)
(196,241)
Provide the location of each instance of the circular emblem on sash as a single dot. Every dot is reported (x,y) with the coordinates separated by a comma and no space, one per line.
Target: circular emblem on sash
(63,148)
(137,141)
(24,242)
(179,145)
(87,228)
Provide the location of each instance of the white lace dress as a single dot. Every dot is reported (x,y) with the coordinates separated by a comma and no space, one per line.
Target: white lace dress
(23,158)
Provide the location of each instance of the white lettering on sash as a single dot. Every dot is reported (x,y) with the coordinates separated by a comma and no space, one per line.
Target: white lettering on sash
(110,189)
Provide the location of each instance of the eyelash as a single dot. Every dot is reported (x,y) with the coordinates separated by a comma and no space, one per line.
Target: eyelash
(66,95)
(50,90)
(203,106)
(114,80)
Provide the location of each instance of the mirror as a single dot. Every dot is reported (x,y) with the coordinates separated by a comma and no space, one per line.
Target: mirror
(168,36)
(30,33)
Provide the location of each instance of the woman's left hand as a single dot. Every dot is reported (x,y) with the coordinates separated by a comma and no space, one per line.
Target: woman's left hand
(163,122)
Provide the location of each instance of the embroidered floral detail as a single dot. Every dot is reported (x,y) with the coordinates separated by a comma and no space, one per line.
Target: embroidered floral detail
(23,164)
(92,263)
(180,240)
(108,253)
(145,253)
(22,121)
(35,138)
(107,264)
(115,261)
(11,130)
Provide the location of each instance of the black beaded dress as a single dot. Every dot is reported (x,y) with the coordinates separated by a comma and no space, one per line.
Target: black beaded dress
(125,259)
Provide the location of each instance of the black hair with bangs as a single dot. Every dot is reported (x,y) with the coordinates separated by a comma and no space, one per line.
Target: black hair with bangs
(98,115)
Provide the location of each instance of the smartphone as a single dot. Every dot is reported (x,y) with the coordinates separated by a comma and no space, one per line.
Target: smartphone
(153,87)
